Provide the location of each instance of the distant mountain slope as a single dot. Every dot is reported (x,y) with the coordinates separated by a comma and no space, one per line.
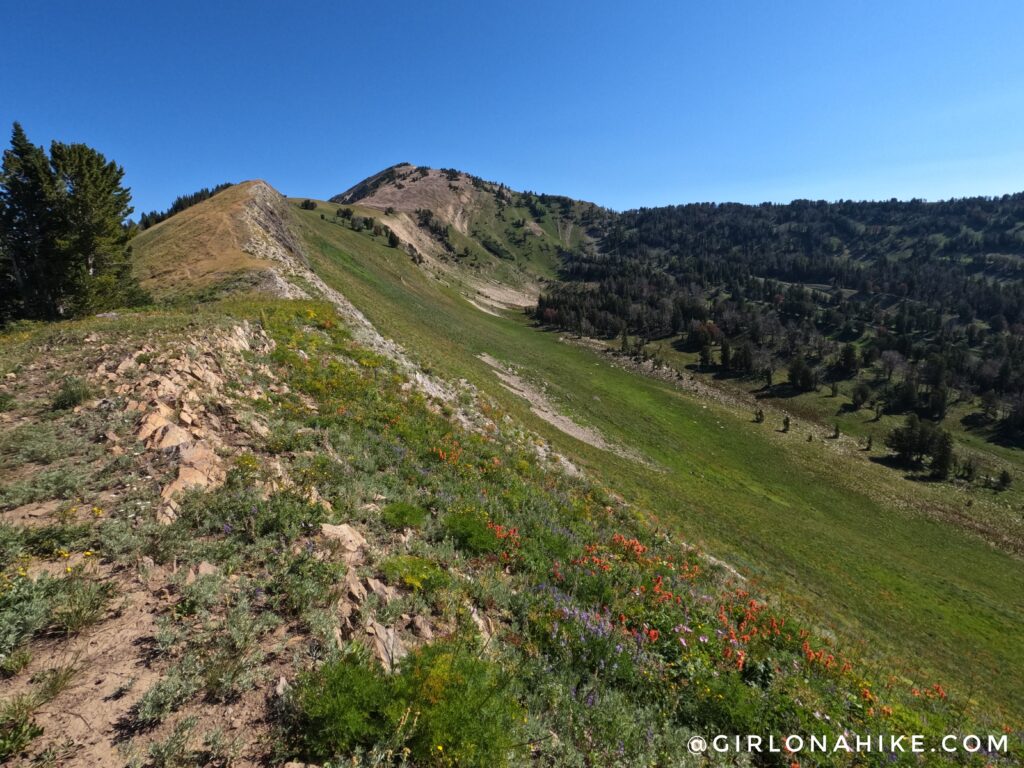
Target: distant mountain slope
(502,244)
(451,195)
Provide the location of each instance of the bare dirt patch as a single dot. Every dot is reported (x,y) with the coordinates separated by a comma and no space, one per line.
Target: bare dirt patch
(485,310)
(542,407)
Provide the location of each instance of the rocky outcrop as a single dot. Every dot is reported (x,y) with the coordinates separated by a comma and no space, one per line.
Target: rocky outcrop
(185,415)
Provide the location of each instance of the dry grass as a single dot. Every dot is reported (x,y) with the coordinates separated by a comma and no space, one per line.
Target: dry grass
(200,247)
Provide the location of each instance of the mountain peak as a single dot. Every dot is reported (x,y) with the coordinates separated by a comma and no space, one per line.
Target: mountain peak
(408,188)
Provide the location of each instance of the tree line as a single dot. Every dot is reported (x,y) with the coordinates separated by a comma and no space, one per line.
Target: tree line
(181,203)
(926,295)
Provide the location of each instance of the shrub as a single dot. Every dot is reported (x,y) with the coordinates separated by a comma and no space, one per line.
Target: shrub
(401,515)
(52,483)
(466,716)
(49,540)
(171,691)
(302,581)
(30,606)
(73,391)
(232,658)
(173,751)
(414,572)
(243,515)
(470,532)
(24,611)
(308,205)
(339,707)
(6,401)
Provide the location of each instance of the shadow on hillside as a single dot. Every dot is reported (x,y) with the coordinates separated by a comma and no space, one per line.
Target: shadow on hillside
(777,392)
(992,431)
(915,472)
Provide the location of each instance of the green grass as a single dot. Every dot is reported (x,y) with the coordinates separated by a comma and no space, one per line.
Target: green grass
(557,613)
(842,540)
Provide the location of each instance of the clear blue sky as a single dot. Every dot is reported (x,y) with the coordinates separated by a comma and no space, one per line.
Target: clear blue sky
(625,104)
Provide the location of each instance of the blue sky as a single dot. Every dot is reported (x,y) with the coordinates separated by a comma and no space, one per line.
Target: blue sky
(623,104)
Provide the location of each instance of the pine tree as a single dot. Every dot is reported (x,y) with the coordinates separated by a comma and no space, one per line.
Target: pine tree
(942,455)
(30,270)
(94,240)
(63,238)
(1005,479)
(705,356)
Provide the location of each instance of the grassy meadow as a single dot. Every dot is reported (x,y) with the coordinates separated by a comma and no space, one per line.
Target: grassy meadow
(844,540)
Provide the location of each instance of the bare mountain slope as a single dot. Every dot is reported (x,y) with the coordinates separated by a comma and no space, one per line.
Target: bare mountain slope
(452,196)
(497,244)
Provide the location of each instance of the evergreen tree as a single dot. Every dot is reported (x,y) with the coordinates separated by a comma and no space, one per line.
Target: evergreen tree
(848,360)
(63,233)
(861,393)
(1005,479)
(93,239)
(29,270)
(942,455)
(726,354)
(705,356)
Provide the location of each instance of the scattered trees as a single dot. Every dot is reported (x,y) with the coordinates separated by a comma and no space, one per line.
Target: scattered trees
(930,293)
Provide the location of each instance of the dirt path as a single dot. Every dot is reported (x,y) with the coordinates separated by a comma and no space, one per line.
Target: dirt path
(483,309)
(542,407)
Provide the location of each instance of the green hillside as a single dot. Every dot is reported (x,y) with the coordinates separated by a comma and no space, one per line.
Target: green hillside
(241,526)
(848,542)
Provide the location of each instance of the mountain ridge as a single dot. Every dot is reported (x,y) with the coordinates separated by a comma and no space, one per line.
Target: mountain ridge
(384,480)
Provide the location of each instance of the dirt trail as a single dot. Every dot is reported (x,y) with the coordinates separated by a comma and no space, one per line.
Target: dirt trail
(542,407)
(482,308)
